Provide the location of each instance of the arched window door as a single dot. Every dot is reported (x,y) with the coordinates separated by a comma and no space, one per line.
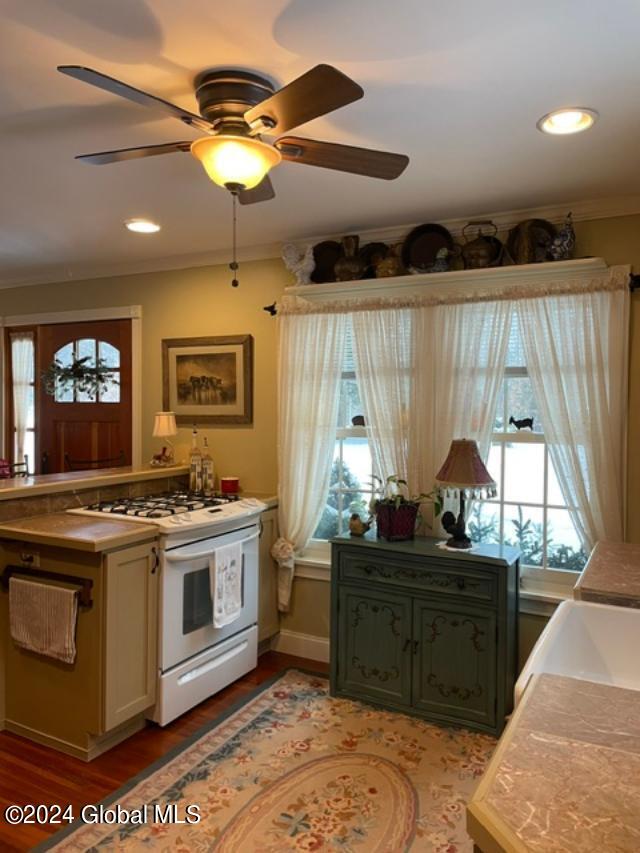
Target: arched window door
(95,355)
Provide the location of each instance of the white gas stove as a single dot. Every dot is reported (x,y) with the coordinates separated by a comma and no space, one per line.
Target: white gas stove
(195,658)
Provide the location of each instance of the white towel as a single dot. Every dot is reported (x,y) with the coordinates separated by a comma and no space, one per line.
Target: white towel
(225,578)
(43,618)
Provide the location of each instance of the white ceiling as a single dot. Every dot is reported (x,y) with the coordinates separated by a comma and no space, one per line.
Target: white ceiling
(455,84)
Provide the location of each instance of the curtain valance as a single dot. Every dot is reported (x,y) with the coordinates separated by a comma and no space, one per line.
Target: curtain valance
(468,287)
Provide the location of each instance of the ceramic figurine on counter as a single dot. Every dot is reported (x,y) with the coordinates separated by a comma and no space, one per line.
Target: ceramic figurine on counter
(301,264)
(358,527)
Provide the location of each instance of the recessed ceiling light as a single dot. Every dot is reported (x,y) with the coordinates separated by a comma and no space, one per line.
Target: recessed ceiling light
(142,226)
(568,120)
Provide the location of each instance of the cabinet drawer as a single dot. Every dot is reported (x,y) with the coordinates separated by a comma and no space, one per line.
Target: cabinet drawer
(463,582)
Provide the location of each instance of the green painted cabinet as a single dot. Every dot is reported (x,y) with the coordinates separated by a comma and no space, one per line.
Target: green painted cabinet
(425,631)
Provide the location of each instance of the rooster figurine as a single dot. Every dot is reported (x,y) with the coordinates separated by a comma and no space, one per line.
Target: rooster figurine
(300,264)
(563,244)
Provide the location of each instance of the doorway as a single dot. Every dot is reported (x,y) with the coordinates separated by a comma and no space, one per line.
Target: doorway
(75,425)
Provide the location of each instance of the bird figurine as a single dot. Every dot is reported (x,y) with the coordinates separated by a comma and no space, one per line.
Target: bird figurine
(358,527)
(301,264)
(563,244)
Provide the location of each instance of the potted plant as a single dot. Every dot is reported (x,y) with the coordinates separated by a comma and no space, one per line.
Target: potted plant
(396,512)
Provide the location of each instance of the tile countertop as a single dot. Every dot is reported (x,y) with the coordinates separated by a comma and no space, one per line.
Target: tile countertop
(565,777)
(611,576)
(82,533)
(49,484)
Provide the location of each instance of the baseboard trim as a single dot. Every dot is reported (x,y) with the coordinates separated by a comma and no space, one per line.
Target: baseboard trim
(301,645)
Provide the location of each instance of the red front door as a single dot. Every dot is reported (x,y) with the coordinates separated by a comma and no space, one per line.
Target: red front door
(78,430)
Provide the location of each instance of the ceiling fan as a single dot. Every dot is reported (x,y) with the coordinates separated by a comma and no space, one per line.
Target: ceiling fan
(236,108)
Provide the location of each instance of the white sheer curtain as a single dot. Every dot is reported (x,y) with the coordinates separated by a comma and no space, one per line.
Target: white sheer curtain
(460,355)
(22,373)
(576,352)
(311,356)
(382,348)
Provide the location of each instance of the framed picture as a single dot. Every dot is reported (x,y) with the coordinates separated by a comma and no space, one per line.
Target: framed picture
(208,380)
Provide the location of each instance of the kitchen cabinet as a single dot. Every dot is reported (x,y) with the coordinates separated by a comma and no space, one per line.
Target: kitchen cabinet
(425,631)
(87,707)
(268,618)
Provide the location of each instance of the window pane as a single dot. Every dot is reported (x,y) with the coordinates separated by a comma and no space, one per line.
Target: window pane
(31,408)
(554,494)
(521,403)
(515,351)
(111,393)
(86,396)
(86,348)
(356,464)
(109,354)
(29,449)
(494,464)
(65,355)
(64,393)
(524,473)
(484,522)
(523,530)
(563,546)
(350,403)
(499,422)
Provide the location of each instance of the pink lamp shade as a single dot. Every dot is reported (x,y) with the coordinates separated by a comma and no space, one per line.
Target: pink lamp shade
(164,425)
(464,471)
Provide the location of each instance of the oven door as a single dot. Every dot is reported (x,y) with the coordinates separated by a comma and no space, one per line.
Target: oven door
(186,623)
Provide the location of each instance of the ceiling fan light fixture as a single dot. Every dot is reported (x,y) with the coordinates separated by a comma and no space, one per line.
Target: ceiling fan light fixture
(142,226)
(568,120)
(235,160)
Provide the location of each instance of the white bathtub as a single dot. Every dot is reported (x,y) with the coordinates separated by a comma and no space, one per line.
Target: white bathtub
(596,642)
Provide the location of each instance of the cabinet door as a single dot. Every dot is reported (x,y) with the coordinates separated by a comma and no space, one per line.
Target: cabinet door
(130,667)
(374,637)
(268,619)
(454,668)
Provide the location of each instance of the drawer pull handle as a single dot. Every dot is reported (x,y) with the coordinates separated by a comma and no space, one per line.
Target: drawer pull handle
(461,583)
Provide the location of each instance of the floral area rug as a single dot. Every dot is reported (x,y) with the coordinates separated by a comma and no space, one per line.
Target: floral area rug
(294,769)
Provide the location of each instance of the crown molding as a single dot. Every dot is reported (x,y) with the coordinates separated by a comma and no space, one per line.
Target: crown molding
(603,208)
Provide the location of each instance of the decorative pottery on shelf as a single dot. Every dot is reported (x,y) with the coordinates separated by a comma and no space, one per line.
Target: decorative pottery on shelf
(421,247)
(562,246)
(372,254)
(530,241)
(391,265)
(484,250)
(350,266)
(325,255)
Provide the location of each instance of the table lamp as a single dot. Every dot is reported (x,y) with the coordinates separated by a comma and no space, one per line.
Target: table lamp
(462,475)
(164,426)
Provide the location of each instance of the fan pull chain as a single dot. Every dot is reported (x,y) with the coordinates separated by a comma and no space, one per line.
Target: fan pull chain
(233,266)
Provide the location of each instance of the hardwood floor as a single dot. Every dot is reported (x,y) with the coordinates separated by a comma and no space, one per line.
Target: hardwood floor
(30,773)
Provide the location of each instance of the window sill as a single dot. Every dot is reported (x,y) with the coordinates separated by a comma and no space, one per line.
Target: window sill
(536,599)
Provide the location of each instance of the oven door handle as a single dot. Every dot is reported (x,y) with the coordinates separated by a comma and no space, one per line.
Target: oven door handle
(171,558)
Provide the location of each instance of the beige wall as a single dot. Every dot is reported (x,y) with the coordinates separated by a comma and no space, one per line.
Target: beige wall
(187,303)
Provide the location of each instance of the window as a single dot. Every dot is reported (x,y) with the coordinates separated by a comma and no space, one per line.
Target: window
(23,419)
(97,354)
(350,486)
(530,511)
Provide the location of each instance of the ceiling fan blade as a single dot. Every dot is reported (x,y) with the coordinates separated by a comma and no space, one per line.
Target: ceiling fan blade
(320,90)
(102,158)
(116,87)
(263,192)
(343,158)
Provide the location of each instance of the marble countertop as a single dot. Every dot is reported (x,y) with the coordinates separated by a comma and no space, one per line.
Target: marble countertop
(82,533)
(565,777)
(612,575)
(49,484)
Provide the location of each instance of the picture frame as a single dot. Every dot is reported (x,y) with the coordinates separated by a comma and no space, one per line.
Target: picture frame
(208,380)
